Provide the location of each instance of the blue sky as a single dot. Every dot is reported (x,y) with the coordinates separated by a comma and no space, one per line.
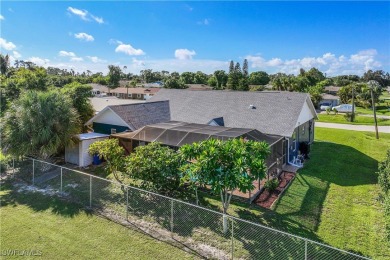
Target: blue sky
(336,37)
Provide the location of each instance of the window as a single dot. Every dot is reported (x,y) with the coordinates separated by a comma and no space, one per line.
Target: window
(138,95)
(293,141)
(113,131)
(303,129)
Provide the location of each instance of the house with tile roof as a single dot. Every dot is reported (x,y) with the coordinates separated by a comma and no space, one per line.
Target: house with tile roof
(287,114)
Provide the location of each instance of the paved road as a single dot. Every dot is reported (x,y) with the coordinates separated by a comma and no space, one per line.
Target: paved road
(365,128)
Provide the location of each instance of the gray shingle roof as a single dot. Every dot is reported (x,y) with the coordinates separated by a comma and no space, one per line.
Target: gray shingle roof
(274,113)
(139,115)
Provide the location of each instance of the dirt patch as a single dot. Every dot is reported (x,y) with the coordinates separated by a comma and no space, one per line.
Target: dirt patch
(266,198)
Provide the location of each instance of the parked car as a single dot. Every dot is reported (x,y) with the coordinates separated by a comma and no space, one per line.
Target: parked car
(325,106)
(343,108)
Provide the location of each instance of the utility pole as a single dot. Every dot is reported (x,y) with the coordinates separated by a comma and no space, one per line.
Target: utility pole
(372,84)
(353,104)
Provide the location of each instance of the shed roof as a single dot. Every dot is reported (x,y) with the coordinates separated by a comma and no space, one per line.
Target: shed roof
(273,112)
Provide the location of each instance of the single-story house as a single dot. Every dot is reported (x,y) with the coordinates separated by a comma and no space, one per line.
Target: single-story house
(129,117)
(287,114)
(330,99)
(77,153)
(333,90)
(99,103)
(123,92)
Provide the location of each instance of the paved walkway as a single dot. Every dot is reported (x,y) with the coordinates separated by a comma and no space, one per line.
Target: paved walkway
(365,128)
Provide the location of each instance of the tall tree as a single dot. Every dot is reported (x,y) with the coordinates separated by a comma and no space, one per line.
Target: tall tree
(221,77)
(80,95)
(114,76)
(245,68)
(4,63)
(40,124)
(259,78)
(231,66)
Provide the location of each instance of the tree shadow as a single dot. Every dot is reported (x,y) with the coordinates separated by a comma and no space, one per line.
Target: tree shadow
(39,202)
(340,164)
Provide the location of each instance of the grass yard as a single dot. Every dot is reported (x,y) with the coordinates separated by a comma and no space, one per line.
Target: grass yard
(383,108)
(359,120)
(336,195)
(65,231)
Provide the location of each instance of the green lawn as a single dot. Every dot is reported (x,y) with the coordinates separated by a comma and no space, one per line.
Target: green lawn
(383,108)
(333,200)
(65,231)
(359,120)
(336,196)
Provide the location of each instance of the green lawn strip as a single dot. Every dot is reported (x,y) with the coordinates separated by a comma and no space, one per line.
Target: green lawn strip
(336,193)
(359,120)
(65,231)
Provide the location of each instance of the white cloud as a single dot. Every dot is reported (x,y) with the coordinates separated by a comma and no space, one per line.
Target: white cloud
(204,22)
(128,49)
(329,63)
(85,15)
(39,61)
(2,17)
(98,19)
(84,36)
(76,59)
(66,54)
(184,54)
(80,13)
(9,46)
(16,54)
(95,59)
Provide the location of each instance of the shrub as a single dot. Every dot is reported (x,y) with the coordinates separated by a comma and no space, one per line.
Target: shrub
(384,174)
(271,185)
(335,111)
(4,160)
(349,117)
(328,110)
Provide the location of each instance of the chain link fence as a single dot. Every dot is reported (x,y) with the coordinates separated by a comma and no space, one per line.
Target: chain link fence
(209,233)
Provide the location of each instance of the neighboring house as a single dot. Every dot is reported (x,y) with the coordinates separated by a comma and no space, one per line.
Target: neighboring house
(287,114)
(129,117)
(199,87)
(99,103)
(332,90)
(78,153)
(123,92)
(330,99)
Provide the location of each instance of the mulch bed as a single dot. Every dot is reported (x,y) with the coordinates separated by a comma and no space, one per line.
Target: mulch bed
(266,198)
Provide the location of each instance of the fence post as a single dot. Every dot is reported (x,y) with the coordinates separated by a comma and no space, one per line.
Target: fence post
(61,180)
(90,191)
(171,215)
(232,239)
(33,179)
(305,249)
(127,203)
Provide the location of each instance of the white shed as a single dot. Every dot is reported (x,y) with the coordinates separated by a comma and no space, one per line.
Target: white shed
(78,153)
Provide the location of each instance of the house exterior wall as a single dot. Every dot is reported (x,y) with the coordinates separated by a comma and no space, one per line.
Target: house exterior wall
(103,128)
(302,133)
(334,102)
(109,117)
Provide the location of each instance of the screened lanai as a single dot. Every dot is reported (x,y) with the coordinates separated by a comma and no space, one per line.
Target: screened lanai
(175,134)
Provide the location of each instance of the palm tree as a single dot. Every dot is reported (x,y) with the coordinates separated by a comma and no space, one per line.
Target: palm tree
(40,124)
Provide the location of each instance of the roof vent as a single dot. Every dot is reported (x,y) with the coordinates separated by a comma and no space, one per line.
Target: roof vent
(252,107)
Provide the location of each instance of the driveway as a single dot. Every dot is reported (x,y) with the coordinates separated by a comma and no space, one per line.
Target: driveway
(364,128)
